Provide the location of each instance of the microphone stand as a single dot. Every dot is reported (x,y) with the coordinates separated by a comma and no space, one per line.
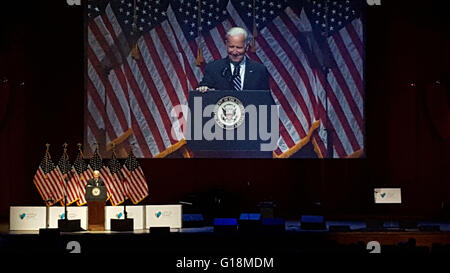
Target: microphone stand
(125,224)
(66,224)
(125,214)
(128,223)
(65,175)
(65,197)
(47,212)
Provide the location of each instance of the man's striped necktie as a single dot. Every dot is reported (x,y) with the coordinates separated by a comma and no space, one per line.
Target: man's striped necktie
(236,78)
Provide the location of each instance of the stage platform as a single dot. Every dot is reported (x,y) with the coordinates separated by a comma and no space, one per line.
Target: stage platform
(200,241)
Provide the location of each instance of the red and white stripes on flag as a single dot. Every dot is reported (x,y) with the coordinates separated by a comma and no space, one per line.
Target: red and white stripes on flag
(70,187)
(136,183)
(82,179)
(82,173)
(116,187)
(47,181)
(134,98)
(48,186)
(345,89)
(117,183)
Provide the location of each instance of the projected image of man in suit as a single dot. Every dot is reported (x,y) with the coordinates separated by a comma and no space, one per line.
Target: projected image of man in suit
(96,181)
(236,71)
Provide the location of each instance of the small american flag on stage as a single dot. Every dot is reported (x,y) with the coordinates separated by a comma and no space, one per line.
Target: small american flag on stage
(83,174)
(47,181)
(117,182)
(143,57)
(68,179)
(137,187)
(131,97)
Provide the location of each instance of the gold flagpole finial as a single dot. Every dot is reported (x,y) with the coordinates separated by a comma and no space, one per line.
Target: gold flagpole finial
(114,149)
(47,158)
(96,144)
(97,149)
(199,59)
(47,150)
(80,149)
(134,46)
(65,155)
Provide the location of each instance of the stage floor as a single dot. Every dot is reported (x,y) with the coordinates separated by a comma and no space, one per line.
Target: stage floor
(206,241)
(290,226)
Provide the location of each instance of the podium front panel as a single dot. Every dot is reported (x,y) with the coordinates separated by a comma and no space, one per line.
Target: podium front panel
(96,193)
(245,139)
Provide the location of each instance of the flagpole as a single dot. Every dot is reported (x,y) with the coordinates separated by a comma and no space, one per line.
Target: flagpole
(199,59)
(66,224)
(47,201)
(121,224)
(125,214)
(326,70)
(65,179)
(253,47)
(47,155)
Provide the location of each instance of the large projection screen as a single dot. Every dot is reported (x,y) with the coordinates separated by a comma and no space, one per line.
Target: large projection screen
(143,57)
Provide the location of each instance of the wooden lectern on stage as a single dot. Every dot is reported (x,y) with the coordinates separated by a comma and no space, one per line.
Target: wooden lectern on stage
(96,199)
(96,215)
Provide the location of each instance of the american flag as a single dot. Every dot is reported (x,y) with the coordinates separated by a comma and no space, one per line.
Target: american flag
(119,193)
(341,37)
(68,179)
(137,187)
(132,98)
(48,182)
(312,71)
(83,174)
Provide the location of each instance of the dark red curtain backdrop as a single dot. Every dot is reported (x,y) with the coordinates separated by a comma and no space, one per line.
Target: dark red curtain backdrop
(41,55)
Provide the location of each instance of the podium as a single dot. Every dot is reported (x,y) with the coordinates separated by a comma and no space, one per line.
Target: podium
(232,124)
(96,199)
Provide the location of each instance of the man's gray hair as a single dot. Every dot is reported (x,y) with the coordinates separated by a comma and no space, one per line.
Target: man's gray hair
(234,31)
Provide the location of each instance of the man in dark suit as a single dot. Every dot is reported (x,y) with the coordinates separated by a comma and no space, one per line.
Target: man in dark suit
(236,71)
(96,181)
